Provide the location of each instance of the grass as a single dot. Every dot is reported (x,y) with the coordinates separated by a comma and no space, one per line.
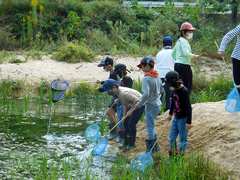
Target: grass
(195,166)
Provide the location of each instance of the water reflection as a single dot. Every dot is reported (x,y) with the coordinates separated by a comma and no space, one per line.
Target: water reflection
(58,134)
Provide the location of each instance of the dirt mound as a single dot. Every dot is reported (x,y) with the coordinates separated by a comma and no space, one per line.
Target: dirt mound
(214,130)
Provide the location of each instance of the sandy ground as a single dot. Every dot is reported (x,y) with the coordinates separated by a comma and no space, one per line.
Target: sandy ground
(215,131)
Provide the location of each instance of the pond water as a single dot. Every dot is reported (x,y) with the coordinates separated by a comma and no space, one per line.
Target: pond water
(28,138)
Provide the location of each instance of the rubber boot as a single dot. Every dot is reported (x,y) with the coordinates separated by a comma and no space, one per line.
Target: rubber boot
(125,142)
(156,147)
(120,136)
(113,134)
(131,143)
(170,157)
(179,156)
(149,144)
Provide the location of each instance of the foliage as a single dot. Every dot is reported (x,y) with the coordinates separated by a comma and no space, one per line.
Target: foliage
(7,40)
(99,42)
(73,52)
(195,166)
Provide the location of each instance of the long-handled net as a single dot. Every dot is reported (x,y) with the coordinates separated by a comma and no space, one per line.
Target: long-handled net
(59,87)
(101,145)
(92,131)
(144,162)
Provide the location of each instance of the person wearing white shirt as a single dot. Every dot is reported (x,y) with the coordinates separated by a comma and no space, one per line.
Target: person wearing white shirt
(165,63)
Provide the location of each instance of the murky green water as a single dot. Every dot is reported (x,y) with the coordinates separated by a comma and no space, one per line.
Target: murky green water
(32,133)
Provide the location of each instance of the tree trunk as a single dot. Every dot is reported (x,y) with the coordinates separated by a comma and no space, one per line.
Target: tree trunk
(235,4)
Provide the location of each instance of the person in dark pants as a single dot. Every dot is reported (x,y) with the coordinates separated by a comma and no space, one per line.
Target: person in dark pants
(235,54)
(183,55)
(128,96)
(165,63)
(116,74)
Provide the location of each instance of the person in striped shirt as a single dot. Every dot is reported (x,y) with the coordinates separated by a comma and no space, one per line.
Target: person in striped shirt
(235,54)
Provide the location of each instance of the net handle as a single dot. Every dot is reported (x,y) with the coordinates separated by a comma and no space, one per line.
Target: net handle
(83,82)
(106,113)
(158,137)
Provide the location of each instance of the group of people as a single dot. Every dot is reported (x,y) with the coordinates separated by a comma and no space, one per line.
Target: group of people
(173,76)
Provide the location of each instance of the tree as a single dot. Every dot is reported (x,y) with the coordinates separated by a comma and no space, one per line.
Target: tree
(224,6)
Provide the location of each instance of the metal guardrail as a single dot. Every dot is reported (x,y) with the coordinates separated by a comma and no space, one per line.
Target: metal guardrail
(152,4)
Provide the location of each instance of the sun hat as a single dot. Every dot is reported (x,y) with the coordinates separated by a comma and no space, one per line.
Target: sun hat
(108,84)
(106,61)
(187,26)
(167,41)
(146,60)
(171,77)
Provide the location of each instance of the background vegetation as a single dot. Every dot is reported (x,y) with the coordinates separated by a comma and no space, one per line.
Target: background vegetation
(105,27)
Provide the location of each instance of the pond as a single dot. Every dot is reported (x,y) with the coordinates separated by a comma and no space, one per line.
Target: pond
(51,141)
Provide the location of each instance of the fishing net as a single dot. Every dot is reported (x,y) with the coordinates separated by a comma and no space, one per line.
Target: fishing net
(141,163)
(92,133)
(100,147)
(58,88)
(233,101)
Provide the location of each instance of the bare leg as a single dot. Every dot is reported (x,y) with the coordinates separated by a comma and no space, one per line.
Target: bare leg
(111,115)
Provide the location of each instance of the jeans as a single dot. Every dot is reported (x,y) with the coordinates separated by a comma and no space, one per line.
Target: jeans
(178,128)
(120,115)
(130,122)
(168,95)
(151,115)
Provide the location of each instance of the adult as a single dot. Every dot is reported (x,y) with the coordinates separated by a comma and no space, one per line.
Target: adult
(165,63)
(235,54)
(183,55)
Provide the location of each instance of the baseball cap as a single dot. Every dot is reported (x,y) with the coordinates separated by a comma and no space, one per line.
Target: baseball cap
(171,77)
(121,67)
(108,84)
(146,60)
(167,40)
(106,61)
(187,26)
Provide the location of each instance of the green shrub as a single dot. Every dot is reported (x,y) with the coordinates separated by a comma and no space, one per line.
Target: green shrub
(74,52)
(7,40)
(99,42)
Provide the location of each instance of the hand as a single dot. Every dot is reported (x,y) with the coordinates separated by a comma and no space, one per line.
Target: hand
(196,57)
(96,90)
(221,53)
(98,81)
(188,127)
(169,118)
(116,101)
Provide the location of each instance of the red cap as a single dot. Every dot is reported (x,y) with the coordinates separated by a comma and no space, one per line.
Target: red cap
(187,26)
(139,65)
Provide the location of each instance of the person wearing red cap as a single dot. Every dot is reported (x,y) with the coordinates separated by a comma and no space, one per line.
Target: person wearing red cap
(183,55)
(151,90)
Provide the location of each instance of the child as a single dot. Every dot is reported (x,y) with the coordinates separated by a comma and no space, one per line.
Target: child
(165,63)
(183,55)
(132,97)
(107,64)
(182,111)
(151,90)
(125,82)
